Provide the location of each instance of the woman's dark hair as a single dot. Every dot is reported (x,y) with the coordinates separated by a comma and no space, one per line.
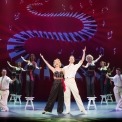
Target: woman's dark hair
(103,62)
(4,70)
(32,55)
(18,63)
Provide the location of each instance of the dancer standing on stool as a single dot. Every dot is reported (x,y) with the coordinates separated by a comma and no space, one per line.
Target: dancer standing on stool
(103,71)
(69,74)
(117,79)
(4,90)
(30,76)
(90,74)
(57,88)
(18,75)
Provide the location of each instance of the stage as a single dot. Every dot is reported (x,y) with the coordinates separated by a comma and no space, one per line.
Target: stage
(18,113)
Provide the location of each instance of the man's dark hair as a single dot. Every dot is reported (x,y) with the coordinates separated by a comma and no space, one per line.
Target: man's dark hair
(118,69)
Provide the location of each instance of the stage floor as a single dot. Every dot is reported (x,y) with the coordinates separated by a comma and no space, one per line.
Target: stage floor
(103,113)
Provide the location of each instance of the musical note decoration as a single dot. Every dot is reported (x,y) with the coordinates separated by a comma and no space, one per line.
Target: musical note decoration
(71,7)
(103,23)
(93,11)
(100,50)
(90,2)
(64,7)
(81,6)
(72,52)
(21,1)
(17,16)
(109,34)
(6,1)
(114,51)
(10,27)
(105,9)
(60,52)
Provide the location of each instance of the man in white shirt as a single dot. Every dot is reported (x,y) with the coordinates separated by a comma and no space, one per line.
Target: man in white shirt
(70,84)
(4,90)
(117,79)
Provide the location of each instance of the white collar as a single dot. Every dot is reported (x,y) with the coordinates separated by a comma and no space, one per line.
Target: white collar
(71,64)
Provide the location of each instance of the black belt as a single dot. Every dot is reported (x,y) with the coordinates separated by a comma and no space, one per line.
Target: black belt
(4,89)
(119,86)
(58,78)
(68,77)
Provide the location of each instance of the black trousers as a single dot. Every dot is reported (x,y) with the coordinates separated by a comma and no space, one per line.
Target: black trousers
(90,86)
(12,87)
(108,86)
(15,87)
(102,84)
(29,86)
(18,85)
(56,92)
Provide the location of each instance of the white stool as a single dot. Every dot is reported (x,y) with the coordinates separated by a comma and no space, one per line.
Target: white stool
(12,97)
(109,98)
(18,99)
(91,102)
(29,99)
(104,99)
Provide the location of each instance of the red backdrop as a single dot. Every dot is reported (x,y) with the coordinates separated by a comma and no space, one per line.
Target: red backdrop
(23,21)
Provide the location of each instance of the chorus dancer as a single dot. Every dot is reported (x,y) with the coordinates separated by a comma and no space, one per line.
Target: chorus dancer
(57,87)
(117,79)
(70,84)
(30,75)
(4,90)
(103,71)
(18,75)
(90,74)
(108,81)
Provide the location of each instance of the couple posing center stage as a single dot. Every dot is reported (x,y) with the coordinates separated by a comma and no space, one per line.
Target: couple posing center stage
(64,83)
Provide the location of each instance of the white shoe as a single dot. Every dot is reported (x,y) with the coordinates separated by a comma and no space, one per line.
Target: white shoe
(2,110)
(119,109)
(66,112)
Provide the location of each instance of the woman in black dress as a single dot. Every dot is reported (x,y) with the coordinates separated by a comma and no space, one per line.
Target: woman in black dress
(17,73)
(30,76)
(103,71)
(57,87)
(108,82)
